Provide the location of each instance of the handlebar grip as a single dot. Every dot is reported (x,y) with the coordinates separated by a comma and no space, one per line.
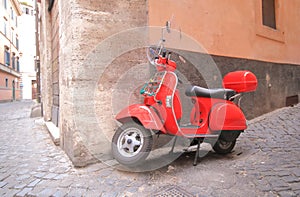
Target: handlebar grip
(142,91)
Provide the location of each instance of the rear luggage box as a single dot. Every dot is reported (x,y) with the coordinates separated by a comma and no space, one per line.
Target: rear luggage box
(240,81)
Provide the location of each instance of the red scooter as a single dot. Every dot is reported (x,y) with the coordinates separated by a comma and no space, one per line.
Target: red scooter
(214,114)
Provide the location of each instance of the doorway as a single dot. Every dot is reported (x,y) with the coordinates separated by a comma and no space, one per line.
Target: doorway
(13,90)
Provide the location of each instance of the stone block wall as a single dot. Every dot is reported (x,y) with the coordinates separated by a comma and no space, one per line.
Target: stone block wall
(45,60)
(83,26)
(55,64)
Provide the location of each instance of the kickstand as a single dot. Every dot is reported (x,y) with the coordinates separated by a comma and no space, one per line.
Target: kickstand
(171,151)
(197,153)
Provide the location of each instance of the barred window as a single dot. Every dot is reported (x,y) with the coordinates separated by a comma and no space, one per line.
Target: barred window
(268,13)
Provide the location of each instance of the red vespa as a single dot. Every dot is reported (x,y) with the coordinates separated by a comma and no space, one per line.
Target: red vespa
(214,116)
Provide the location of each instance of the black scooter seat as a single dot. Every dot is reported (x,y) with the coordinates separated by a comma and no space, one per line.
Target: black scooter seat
(219,93)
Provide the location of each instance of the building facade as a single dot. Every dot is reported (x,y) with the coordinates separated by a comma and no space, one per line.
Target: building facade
(78,89)
(9,51)
(259,35)
(28,49)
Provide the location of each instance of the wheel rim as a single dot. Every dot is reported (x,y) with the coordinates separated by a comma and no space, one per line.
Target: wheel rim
(130,142)
(224,145)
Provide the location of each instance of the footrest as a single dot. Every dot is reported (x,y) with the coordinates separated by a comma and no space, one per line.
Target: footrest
(189,126)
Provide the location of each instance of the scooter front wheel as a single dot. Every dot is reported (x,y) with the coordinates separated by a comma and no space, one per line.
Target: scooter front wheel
(131,144)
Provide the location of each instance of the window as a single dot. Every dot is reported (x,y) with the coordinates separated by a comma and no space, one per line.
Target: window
(26,10)
(6,82)
(5,4)
(51,3)
(18,64)
(12,37)
(12,13)
(17,42)
(269,19)
(268,13)
(7,56)
(4,28)
(13,59)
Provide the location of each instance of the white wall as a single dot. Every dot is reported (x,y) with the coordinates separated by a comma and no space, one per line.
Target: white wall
(27,48)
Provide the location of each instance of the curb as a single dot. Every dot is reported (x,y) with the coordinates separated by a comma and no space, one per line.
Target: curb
(54,132)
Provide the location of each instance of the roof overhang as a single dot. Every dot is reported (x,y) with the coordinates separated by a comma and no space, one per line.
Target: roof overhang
(17,7)
(9,71)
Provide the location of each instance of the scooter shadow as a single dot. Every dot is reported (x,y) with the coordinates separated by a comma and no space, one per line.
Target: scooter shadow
(179,159)
(187,158)
(161,156)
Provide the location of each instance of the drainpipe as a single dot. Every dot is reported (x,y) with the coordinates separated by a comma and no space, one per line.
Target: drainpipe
(37,55)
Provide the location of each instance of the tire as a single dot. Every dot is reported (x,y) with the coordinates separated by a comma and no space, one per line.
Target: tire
(223,147)
(131,144)
(226,142)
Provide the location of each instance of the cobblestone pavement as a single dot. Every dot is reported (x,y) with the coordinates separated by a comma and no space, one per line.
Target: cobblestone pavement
(265,163)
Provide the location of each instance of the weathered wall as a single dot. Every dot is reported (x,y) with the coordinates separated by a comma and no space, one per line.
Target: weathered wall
(276,81)
(45,59)
(83,25)
(232,32)
(234,28)
(55,45)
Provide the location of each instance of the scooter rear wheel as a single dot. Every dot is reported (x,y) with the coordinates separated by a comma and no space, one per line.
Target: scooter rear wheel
(223,147)
(131,144)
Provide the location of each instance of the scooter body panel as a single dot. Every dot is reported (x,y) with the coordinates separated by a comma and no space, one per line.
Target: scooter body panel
(226,116)
(145,114)
(169,98)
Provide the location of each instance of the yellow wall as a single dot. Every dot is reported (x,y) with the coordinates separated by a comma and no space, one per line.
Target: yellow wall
(234,27)
(9,39)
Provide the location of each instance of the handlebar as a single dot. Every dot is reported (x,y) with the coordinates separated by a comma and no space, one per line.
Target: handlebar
(158,55)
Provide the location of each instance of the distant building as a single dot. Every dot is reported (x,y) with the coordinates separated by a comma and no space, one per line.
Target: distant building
(28,50)
(9,51)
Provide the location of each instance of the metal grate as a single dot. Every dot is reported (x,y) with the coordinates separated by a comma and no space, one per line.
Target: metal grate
(172,191)
(292,100)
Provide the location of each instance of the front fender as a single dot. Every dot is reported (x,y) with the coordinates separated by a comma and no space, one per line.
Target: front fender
(227,116)
(146,115)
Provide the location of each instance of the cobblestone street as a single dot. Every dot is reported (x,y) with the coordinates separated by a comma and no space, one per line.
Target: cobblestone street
(265,162)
